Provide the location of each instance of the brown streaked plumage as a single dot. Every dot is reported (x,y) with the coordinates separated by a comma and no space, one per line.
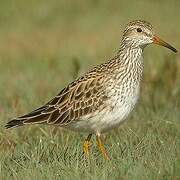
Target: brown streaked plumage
(81,97)
(101,99)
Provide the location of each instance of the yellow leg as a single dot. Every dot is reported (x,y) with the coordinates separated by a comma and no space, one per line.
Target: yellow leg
(101,147)
(86,146)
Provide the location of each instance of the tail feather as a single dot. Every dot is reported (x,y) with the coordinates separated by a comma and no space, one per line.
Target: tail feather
(14,123)
(33,117)
(34,113)
(39,119)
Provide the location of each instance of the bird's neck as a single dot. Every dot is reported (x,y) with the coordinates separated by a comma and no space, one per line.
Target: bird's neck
(130,55)
(128,61)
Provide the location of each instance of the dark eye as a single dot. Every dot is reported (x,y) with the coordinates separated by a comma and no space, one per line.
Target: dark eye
(139,30)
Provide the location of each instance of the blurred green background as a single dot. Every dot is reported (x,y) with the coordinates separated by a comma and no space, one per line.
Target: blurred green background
(46,44)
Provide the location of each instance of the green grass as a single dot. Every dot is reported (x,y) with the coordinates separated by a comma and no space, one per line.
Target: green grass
(46,44)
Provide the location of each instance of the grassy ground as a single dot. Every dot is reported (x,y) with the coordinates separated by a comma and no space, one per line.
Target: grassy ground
(44,45)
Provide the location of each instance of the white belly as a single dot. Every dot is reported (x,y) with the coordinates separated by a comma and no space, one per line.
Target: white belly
(109,118)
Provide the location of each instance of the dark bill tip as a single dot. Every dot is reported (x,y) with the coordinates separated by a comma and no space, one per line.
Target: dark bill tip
(157,40)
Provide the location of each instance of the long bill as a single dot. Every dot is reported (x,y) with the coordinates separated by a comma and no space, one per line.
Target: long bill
(157,40)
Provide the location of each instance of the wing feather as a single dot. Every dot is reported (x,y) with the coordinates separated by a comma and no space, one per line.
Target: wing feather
(78,99)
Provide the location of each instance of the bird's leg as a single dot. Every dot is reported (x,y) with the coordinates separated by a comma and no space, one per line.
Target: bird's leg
(101,147)
(86,145)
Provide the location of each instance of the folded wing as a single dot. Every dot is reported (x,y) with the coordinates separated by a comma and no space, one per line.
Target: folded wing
(82,97)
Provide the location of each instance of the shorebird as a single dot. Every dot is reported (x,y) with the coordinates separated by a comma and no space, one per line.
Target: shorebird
(101,99)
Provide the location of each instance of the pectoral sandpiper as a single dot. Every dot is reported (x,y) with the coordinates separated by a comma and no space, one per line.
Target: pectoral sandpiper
(101,99)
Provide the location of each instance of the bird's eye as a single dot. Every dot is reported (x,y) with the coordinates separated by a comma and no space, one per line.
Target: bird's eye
(139,30)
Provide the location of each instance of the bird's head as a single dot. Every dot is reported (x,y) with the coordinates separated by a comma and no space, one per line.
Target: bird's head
(140,33)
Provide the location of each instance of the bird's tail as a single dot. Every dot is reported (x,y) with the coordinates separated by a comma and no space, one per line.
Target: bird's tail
(14,123)
(37,116)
